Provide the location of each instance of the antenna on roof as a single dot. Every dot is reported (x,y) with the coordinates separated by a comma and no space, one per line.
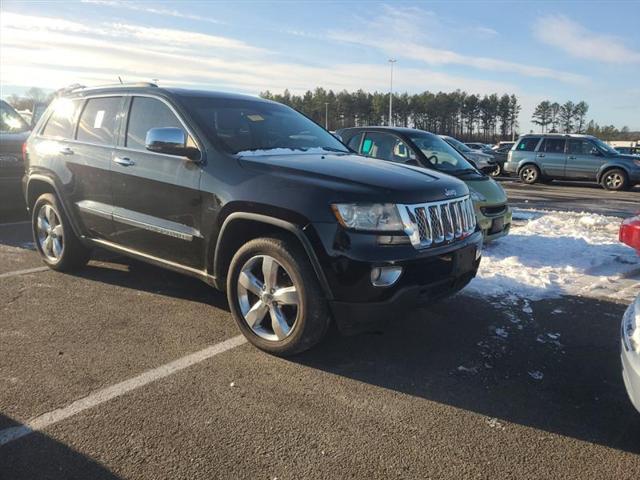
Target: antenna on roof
(121,82)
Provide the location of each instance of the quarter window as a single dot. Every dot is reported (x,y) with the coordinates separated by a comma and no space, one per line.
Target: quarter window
(61,123)
(528,144)
(147,113)
(98,120)
(553,145)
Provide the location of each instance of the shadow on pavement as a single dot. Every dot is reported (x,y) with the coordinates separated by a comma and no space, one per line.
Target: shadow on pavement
(452,355)
(37,456)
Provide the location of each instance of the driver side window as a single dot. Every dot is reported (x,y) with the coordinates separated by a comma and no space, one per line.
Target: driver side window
(386,146)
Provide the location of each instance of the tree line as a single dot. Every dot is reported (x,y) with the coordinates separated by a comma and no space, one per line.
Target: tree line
(566,118)
(466,116)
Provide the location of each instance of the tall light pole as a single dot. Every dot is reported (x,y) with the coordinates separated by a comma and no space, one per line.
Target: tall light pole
(391,62)
(326,115)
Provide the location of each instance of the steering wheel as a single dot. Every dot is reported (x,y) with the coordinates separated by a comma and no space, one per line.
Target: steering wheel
(429,159)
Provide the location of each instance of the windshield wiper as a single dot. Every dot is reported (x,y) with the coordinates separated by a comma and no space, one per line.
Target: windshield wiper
(332,149)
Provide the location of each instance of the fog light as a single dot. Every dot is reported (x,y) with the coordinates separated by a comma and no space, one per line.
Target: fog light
(385,276)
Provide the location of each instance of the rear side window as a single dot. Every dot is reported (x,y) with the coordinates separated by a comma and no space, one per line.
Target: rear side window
(98,120)
(528,144)
(354,143)
(553,145)
(62,122)
(147,113)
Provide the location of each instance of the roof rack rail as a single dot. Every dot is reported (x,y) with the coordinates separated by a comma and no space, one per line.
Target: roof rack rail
(116,85)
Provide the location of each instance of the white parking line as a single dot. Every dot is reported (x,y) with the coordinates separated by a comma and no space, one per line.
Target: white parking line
(15,273)
(104,395)
(14,224)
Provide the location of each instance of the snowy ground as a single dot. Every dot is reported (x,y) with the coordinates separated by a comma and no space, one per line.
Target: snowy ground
(549,254)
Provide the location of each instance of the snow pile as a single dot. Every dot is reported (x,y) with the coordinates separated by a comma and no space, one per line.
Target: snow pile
(549,254)
(283,151)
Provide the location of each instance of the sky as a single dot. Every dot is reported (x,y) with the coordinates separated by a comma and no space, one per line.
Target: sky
(571,50)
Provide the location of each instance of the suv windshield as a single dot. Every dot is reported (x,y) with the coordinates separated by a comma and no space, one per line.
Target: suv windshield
(440,155)
(249,127)
(10,120)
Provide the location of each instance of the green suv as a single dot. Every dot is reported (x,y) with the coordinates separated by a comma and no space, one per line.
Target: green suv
(552,156)
(426,150)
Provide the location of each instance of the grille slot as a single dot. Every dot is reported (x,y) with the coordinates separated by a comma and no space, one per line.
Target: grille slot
(436,223)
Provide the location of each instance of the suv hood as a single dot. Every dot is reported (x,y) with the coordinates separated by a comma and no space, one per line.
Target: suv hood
(370,179)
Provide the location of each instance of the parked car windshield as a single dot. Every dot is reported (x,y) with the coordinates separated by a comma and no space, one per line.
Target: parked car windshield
(249,127)
(10,120)
(440,155)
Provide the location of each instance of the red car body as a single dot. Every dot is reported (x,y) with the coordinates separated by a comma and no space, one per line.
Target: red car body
(630,232)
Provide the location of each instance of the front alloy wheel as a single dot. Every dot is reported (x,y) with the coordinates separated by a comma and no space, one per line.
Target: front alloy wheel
(268,298)
(614,180)
(275,296)
(529,174)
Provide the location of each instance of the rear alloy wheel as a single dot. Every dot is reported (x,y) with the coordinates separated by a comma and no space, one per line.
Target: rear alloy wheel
(275,296)
(55,240)
(497,171)
(614,179)
(529,174)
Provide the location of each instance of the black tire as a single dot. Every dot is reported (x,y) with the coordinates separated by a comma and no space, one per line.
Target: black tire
(497,171)
(529,174)
(312,316)
(73,254)
(615,180)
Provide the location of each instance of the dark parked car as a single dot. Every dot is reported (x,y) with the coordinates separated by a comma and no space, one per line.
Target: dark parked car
(628,150)
(13,133)
(549,156)
(251,197)
(500,156)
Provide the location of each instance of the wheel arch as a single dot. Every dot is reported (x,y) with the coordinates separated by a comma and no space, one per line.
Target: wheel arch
(608,167)
(38,185)
(241,227)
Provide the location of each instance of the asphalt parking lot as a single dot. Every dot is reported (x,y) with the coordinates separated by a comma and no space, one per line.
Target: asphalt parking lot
(129,371)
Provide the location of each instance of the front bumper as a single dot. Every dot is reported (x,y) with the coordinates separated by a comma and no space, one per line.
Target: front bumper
(631,375)
(428,275)
(494,226)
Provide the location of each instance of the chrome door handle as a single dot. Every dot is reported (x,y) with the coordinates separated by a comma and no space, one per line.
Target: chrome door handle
(66,151)
(124,161)
(572,158)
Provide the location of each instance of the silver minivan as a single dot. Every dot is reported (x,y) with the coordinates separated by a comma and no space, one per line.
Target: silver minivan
(547,157)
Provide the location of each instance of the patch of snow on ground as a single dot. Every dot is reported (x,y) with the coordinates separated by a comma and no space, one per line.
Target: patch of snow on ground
(552,254)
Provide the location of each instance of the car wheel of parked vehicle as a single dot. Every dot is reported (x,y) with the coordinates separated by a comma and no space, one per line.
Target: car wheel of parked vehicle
(275,297)
(614,179)
(529,174)
(55,240)
(497,171)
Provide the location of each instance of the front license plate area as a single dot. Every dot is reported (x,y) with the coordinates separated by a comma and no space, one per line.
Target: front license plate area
(464,259)
(497,225)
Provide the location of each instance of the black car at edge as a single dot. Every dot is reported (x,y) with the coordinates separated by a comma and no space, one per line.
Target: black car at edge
(251,197)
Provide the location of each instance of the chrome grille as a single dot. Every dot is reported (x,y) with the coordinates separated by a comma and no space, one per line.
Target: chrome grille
(437,223)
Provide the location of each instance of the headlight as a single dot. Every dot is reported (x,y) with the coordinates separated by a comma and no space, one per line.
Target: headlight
(478,197)
(368,216)
(630,330)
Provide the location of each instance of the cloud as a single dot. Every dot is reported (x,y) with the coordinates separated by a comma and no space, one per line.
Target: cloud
(152,10)
(52,52)
(392,34)
(565,34)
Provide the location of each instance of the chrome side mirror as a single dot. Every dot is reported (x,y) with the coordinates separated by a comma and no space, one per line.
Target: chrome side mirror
(170,141)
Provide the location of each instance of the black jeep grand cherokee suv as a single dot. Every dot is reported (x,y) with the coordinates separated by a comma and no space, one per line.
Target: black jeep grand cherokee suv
(253,198)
